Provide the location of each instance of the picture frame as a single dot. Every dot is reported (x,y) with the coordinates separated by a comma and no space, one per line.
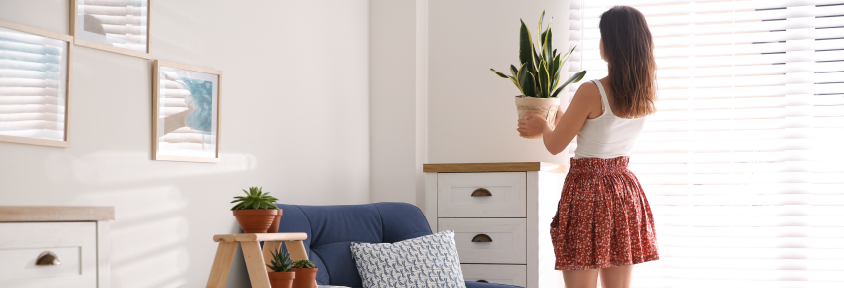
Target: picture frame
(99,24)
(35,93)
(186,116)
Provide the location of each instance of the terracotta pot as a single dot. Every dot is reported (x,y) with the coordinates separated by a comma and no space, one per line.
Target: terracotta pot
(255,220)
(305,278)
(274,226)
(281,279)
(546,107)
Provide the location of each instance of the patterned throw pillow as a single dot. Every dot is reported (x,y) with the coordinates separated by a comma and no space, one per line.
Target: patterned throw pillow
(427,261)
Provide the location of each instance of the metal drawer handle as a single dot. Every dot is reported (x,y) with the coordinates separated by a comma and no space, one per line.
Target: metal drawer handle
(47,259)
(481,238)
(482,281)
(481,192)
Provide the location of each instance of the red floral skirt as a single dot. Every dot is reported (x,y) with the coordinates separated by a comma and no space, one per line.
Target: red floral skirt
(603,218)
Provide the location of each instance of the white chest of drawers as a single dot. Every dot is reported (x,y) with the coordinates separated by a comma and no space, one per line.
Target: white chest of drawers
(71,244)
(501,216)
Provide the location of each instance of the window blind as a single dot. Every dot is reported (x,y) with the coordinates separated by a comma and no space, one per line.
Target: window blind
(32,93)
(742,163)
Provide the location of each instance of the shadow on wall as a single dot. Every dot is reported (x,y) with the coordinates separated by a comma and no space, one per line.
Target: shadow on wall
(150,233)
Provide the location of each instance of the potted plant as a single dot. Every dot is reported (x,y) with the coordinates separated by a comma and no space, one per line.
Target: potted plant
(256,211)
(538,74)
(305,274)
(282,275)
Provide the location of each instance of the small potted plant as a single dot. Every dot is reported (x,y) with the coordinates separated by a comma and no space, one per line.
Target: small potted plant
(282,275)
(256,211)
(305,274)
(538,74)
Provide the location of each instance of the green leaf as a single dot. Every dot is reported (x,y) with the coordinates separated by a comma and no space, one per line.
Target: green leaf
(516,82)
(541,18)
(502,75)
(543,81)
(525,46)
(514,71)
(529,86)
(574,78)
(547,46)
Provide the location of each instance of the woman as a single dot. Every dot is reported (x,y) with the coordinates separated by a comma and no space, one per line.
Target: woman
(603,223)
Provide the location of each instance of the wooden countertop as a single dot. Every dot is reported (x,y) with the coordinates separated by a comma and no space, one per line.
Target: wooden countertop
(496,167)
(55,213)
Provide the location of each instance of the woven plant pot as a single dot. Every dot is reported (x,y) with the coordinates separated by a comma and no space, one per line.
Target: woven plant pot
(255,220)
(546,107)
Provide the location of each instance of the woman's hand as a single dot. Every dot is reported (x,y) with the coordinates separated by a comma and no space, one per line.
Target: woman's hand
(534,126)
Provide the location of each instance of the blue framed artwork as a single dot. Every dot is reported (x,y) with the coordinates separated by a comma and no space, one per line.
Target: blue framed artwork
(186,113)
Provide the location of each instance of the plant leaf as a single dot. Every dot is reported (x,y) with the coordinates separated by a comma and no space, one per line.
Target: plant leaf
(525,46)
(502,75)
(513,70)
(574,78)
(541,18)
(543,81)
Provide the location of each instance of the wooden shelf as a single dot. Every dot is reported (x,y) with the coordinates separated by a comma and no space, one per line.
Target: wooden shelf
(55,213)
(260,237)
(496,167)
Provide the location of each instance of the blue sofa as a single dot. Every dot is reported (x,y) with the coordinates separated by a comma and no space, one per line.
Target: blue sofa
(331,229)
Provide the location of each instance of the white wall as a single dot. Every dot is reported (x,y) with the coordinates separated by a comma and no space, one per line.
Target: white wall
(295,121)
(471,112)
(398,99)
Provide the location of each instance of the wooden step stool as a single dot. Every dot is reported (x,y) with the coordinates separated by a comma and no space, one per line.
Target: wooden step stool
(255,259)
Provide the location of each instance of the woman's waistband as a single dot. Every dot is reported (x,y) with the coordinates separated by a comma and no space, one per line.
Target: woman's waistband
(599,166)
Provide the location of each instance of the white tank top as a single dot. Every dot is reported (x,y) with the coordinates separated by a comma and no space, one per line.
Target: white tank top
(607,136)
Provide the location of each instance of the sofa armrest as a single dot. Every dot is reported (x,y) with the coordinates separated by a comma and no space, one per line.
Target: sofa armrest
(472,284)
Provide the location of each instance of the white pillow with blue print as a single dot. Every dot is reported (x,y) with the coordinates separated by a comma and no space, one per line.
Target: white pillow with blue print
(427,261)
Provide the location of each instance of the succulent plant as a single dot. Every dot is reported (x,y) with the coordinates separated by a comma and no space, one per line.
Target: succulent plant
(303,263)
(538,74)
(254,199)
(280,261)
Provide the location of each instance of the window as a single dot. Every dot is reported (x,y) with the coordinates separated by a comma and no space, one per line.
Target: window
(743,164)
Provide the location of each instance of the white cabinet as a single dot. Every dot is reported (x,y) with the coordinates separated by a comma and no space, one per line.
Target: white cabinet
(70,242)
(501,216)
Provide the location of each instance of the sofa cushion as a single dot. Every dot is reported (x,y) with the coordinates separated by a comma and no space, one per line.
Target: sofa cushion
(401,221)
(427,261)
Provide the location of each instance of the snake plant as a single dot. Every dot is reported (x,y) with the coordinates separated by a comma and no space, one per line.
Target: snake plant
(538,75)
(254,199)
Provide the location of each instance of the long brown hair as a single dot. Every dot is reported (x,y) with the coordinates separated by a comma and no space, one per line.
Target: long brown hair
(629,50)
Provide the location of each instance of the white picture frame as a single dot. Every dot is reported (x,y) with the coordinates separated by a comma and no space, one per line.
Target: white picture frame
(100,24)
(36,88)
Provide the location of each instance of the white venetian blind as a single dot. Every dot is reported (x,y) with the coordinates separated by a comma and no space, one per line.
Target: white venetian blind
(743,164)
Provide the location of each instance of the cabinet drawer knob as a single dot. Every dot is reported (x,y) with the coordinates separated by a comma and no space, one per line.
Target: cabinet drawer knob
(481,192)
(481,238)
(482,281)
(47,259)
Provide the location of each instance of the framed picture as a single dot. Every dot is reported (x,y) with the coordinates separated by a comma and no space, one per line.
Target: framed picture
(186,113)
(34,85)
(119,26)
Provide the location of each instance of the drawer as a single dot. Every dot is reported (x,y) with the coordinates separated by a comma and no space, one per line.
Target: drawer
(505,239)
(75,244)
(499,274)
(505,197)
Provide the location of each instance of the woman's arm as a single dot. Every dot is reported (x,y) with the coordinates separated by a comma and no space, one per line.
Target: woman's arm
(568,124)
